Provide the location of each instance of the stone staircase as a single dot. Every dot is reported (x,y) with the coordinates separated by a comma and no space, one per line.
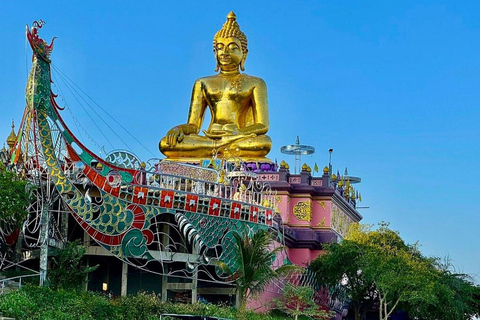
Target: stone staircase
(8,285)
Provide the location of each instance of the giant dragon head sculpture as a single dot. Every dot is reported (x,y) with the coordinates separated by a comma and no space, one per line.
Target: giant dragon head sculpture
(40,48)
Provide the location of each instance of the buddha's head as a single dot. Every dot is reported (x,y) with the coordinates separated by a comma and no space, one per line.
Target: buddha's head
(230,45)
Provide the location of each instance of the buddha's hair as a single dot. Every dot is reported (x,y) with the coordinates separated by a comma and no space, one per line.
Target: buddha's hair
(231,29)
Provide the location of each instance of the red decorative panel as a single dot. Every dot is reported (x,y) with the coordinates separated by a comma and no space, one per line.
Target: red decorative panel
(167,199)
(214,207)
(235,210)
(191,203)
(253,214)
(140,195)
(269,217)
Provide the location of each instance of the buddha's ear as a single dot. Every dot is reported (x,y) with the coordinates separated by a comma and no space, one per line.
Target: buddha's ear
(216,60)
(242,62)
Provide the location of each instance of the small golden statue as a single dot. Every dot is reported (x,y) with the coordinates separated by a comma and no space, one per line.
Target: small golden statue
(238,104)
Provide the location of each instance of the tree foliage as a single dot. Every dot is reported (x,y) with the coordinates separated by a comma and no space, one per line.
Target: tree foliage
(377,266)
(457,297)
(68,270)
(340,271)
(400,274)
(15,196)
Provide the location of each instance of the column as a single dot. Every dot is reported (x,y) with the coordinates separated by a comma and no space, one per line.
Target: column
(124,284)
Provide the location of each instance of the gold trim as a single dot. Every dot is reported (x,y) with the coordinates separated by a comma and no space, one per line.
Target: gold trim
(306,195)
(322,204)
(309,227)
(321,223)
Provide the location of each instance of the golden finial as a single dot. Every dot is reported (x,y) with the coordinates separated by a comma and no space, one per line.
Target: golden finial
(326,170)
(231,29)
(231,16)
(287,166)
(304,167)
(12,137)
(334,176)
(222,177)
(309,169)
(283,164)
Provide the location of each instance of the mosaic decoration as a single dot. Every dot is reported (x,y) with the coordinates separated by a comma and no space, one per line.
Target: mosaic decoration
(303,211)
(148,214)
(340,221)
(123,159)
(186,170)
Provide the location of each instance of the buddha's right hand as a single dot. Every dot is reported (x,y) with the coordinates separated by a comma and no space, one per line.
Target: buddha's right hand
(174,135)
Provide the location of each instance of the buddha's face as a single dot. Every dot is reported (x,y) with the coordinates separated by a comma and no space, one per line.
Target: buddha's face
(229,53)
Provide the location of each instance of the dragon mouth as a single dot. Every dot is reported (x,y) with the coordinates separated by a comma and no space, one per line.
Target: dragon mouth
(39,46)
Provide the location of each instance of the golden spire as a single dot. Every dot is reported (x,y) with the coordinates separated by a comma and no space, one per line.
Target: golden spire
(12,137)
(231,29)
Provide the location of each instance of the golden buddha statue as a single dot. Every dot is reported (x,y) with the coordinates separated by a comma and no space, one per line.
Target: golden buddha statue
(237,102)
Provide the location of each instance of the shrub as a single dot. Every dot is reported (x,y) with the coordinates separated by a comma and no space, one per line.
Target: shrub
(139,306)
(69,271)
(44,303)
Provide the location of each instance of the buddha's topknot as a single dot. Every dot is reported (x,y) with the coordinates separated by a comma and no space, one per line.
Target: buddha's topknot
(231,29)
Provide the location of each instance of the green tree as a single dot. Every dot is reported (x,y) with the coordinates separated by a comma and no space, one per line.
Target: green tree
(68,270)
(15,196)
(377,266)
(400,274)
(457,297)
(297,301)
(340,270)
(254,256)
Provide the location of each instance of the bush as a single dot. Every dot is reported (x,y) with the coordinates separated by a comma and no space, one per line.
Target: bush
(17,305)
(139,306)
(44,303)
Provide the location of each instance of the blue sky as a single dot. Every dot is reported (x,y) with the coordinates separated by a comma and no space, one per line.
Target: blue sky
(392,87)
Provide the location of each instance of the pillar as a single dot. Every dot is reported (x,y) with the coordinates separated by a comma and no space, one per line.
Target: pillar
(124,283)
